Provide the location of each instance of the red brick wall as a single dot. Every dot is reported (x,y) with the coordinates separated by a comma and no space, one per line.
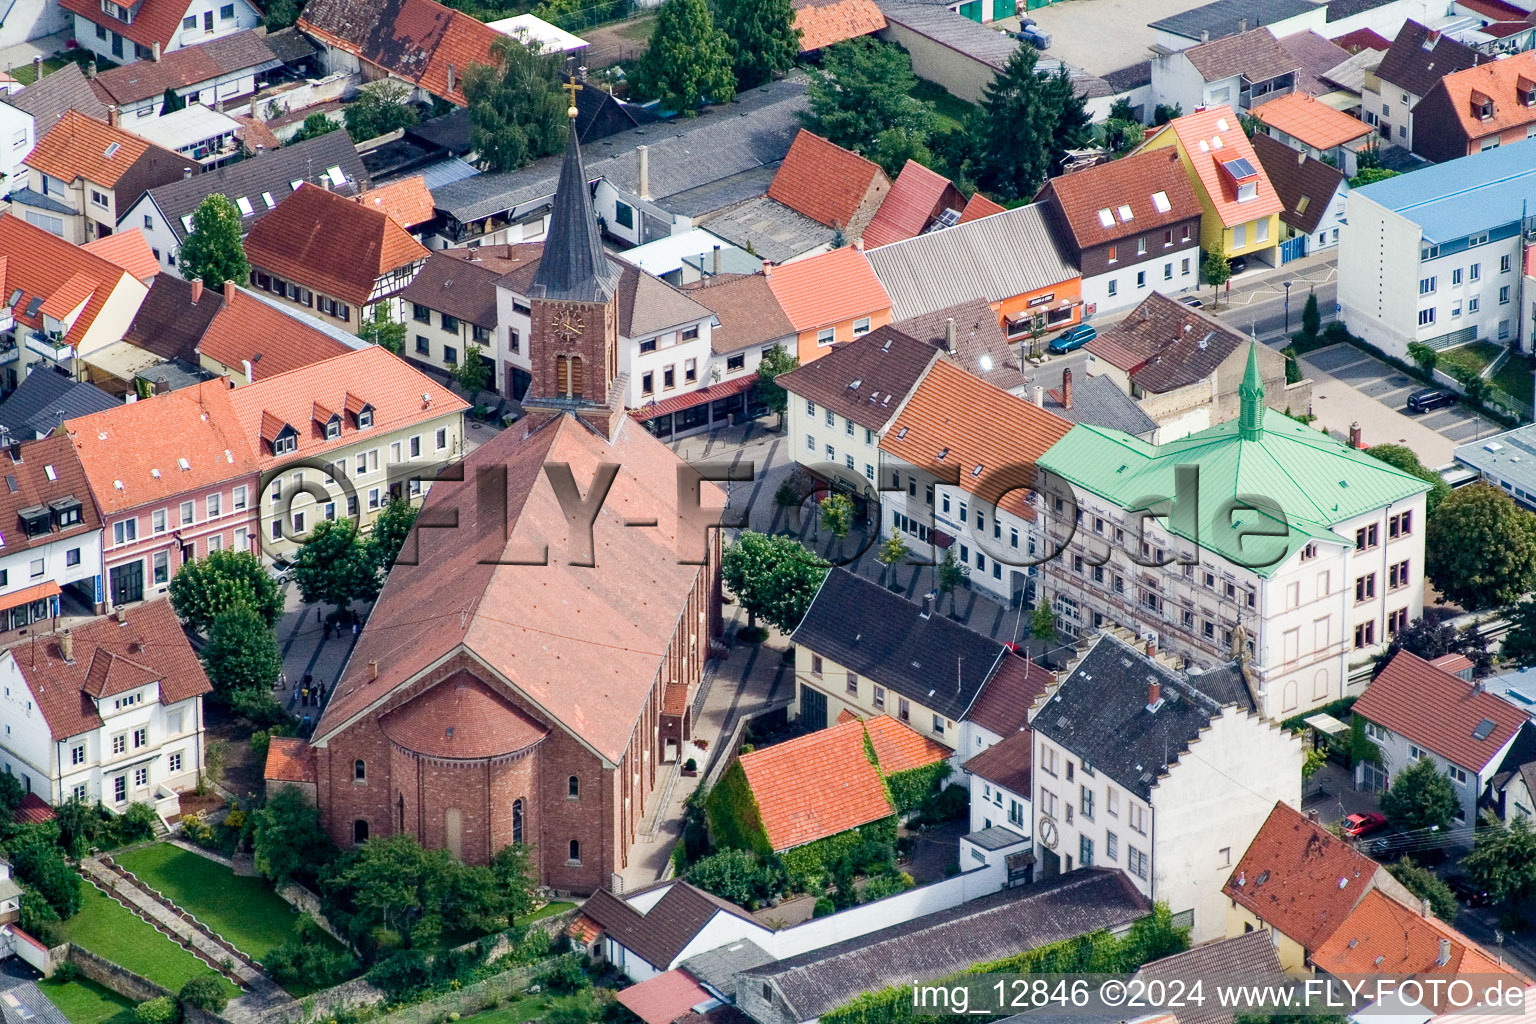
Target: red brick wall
(597,345)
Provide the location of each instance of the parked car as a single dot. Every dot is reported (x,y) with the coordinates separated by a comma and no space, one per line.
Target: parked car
(1397,843)
(280,571)
(1237,265)
(1357,825)
(1193,301)
(1073,338)
(1032,35)
(1469,892)
(1425,399)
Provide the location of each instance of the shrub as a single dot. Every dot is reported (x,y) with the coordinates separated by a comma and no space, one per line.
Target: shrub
(565,977)
(690,765)
(882,886)
(738,876)
(401,973)
(824,906)
(1336,331)
(38,863)
(136,825)
(205,993)
(160,1010)
(909,789)
(307,957)
(734,820)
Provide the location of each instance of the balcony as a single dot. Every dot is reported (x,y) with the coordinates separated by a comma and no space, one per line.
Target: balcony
(49,348)
(9,351)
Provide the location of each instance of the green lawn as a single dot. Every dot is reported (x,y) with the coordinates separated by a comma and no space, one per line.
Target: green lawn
(1513,377)
(23,73)
(639,30)
(110,930)
(518,1011)
(85,1002)
(951,110)
(549,909)
(1473,357)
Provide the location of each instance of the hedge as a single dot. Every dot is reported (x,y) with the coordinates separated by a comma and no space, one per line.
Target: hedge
(734,820)
(806,864)
(908,789)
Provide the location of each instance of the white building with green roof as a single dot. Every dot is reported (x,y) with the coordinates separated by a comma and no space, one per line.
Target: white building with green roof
(1314,547)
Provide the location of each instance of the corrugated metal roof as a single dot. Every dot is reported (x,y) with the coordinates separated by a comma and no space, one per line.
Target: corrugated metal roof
(997,257)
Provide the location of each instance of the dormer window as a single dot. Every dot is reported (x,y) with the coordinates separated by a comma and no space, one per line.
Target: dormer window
(118,11)
(1482,106)
(67,511)
(35,520)
(1525,91)
(333,429)
(1244,178)
(285,445)
(1247,190)
(365,417)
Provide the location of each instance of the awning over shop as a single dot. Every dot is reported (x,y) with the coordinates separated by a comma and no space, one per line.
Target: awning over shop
(28,594)
(688,400)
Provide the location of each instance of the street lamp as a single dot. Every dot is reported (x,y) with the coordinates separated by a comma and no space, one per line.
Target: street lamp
(1288,309)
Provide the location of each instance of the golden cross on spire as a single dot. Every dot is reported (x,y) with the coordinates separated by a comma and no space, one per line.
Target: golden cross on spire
(571,87)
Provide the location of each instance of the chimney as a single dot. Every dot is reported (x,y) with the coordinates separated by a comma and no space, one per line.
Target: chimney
(1445,953)
(767,268)
(90,68)
(928,602)
(1151,648)
(67,645)
(120,614)
(1205,35)
(715,265)
(1424,908)
(1312,815)
(373,670)
(1154,695)
(186,172)
(1242,25)
(249,370)
(1037,395)
(229,291)
(452,76)
(643,154)
(197,290)
(1066,388)
(1354,435)
(112,115)
(154,50)
(37,68)
(163,386)
(858,243)
(949,335)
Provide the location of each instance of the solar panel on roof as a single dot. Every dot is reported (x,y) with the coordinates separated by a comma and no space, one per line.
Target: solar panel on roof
(1240,168)
(35,305)
(1484,729)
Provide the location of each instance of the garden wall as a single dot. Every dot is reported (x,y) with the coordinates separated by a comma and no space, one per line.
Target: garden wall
(33,953)
(110,976)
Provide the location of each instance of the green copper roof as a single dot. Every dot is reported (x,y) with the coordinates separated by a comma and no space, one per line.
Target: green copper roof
(1251,392)
(1313,479)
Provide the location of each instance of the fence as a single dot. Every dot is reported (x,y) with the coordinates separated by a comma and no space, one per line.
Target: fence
(481,995)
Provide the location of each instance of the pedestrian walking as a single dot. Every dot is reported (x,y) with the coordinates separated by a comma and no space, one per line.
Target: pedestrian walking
(304,697)
(356,626)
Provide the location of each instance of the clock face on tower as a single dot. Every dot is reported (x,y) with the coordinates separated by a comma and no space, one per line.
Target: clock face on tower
(569,322)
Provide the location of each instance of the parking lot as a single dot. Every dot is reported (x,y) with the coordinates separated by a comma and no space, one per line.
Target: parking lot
(1077,31)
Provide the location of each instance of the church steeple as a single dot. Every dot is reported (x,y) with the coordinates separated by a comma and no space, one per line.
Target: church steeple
(573,266)
(1251,391)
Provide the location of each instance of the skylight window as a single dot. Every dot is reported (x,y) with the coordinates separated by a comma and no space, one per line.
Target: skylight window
(186,223)
(49,473)
(1125,213)
(1216,142)
(1484,729)
(266,197)
(1160,202)
(184,464)
(1221,124)
(245,206)
(1302,204)
(35,305)
(1106,219)
(338,178)
(295,183)
(111,151)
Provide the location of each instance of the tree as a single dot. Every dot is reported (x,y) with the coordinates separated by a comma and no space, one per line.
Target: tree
(836,515)
(737,876)
(171,101)
(951,574)
(390,529)
(204,992)
(777,360)
(1069,125)
(1123,136)
(1042,623)
(688,61)
(391,883)
(1420,798)
(217,582)
(1216,268)
(1422,354)
(380,328)
(1311,319)
(760,36)
(774,577)
(1406,459)
(381,107)
(334,566)
(862,88)
(1029,120)
(242,662)
(1504,862)
(1480,548)
(1370,175)
(1426,885)
(517,879)
(1163,113)
(517,111)
(310,957)
(1520,642)
(895,146)
(281,13)
(315,125)
(472,374)
(37,863)
(212,251)
(1431,642)
(1123,110)
(892,553)
(288,839)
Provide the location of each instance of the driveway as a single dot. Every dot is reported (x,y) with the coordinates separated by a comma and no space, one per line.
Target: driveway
(1077,31)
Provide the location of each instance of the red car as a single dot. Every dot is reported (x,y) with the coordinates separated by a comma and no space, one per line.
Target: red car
(1357,825)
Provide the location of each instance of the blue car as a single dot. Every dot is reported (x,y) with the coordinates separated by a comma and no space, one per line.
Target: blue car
(1073,338)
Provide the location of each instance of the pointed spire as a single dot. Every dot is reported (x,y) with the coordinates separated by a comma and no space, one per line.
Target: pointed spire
(574,266)
(1251,391)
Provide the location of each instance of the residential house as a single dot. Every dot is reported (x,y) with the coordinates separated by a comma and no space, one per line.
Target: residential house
(831,298)
(1478,108)
(1413,711)
(174,478)
(27,115)
(842,405)
(320,251)
(1132,765)
(407,201)
(63,303)
(1315,56)
(1239,206)
(1346,574)
(1437,256)
(164,213)
(810,985)
(42,401)
(651,930)
(447,308)
(1097,401)
(1238,71)
(419,42)
(1248,956)
(52,535)
(83,172)
(383,429)
(1317,130)
(1131,225)
(960,468)
(252,338)
(1297,882)
(150,29)
(825,22)
(919,200)
(201,135)
(1185,368)
(1312,194)
(1499,460)
(1418,58)
(1011,259)
(750,322)
(830,185)
(129,250)
(214,74)
(1000,785)
(110,711)
(1225,18)
(969,334)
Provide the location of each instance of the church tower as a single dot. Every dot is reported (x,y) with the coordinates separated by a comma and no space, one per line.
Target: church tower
(574,340)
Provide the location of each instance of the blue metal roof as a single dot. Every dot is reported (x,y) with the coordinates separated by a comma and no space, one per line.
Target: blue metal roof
(1470,194)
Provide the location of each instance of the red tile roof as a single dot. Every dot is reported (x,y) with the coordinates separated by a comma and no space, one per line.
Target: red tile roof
(1004,702)
(1439,711)
(83,147)
(900,748)
(823,181)
(461,719)
(273,341)
(132,453)
(290,759)
(978,207)
(1299,878)
(815,786)
(32,811)
(1502,82)
(1198,135)
(1364,39)
(824,22)
(70,296)
(956,420)
(40,263)
(1495,10)
(420,41)
(128,249)
(1007,763)
(1124,191)
(1452,663)
(829,288)
(663,998)
(109,657)
(370,374)
(1312,121)
(331,244)
(188,66)
(154,21)
(911,205)
(407,201)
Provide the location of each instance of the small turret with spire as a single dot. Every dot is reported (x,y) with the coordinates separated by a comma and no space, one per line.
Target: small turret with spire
(1251,392)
